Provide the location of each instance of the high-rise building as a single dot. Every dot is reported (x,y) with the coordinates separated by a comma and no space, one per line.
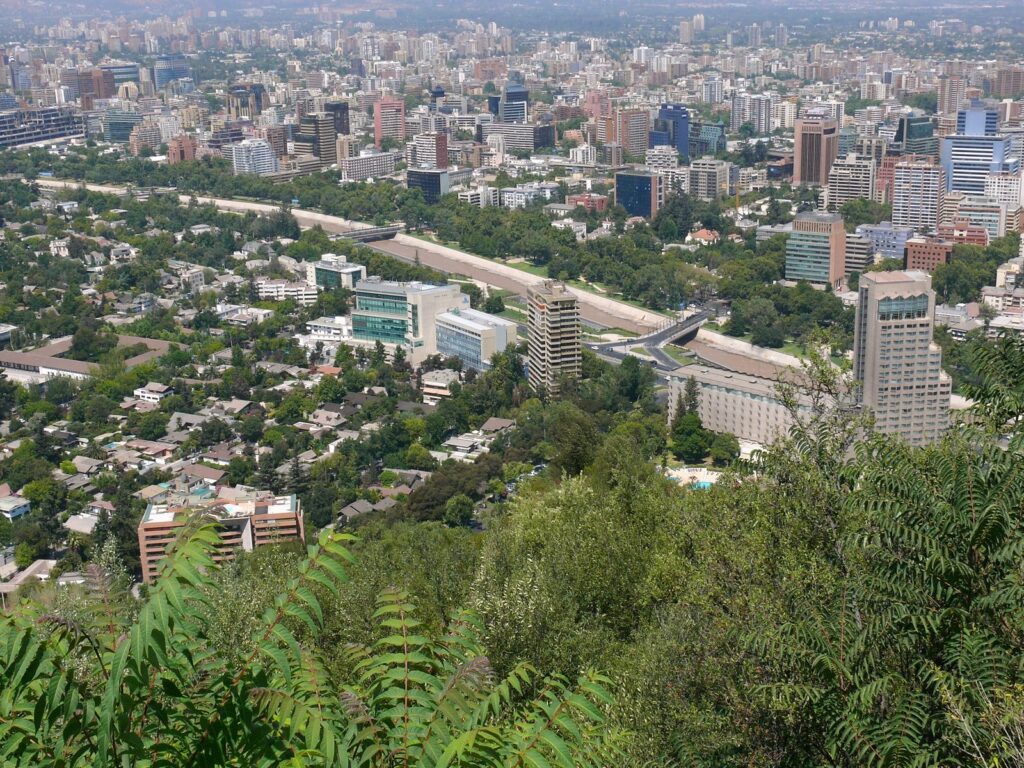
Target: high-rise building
(180,149)
(815,149)
(816,248)
(916,136)
(918,194)
(968,159)
(631,127)
(553,321)
(388,120)
(166,69)
(850,178)
(252,156)
(709,178)
(243,524)
(896,362)
(976,120)
(1009,82)
(339,110)
(473,337)
(431,149)
(641,193)
(434,183)
(317,137)
(246,101)
(673,122)
(952,94)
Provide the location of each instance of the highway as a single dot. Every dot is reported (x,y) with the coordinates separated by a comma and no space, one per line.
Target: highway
(599,310)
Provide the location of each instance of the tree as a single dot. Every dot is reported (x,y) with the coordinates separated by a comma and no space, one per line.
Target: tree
(458,512)
(151,685)
(725,449)
(691,395)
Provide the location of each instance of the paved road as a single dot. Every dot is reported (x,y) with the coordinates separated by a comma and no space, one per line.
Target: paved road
(596,309)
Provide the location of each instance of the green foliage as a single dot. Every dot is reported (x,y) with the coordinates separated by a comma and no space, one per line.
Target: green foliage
(83,687)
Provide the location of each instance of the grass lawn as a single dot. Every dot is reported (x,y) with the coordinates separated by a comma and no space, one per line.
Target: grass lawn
(679,354)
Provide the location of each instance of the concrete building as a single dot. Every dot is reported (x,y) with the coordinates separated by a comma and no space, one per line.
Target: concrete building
(816,249)
(850,178)
(924,254)
(403,314)
(244,524)
(334,271)
(816,146)
(746,406)
(896,362)
(252,156)
(553,319)
(709,178)
(887,240)
(388,120)
(918,195)
(474,337)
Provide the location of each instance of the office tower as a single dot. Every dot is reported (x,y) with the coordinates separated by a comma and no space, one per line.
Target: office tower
(402,314)
(122,72)
(553,322)
(887,240)
(709,178)
(641,193)
(816,147)
(334,271)
(118,125)
(952,94)
(896,362)
(181,149)
(473,337)
(432,182)
(166,69)
(388,120)
(431,150)
(686,32)
(631,126)
(246,101)
(277,137)
(918,194)
(916,136)
(317,137)
(252,156)
(706,138)
(976,120)
(27,126)
(968,159)
(816,249)
(673,120)
(850,178)
(339,111)
(243,524)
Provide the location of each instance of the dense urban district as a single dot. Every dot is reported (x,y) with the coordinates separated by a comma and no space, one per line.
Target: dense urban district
(387,387)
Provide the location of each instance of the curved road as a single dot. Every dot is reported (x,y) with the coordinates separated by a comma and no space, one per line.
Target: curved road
(594,308)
